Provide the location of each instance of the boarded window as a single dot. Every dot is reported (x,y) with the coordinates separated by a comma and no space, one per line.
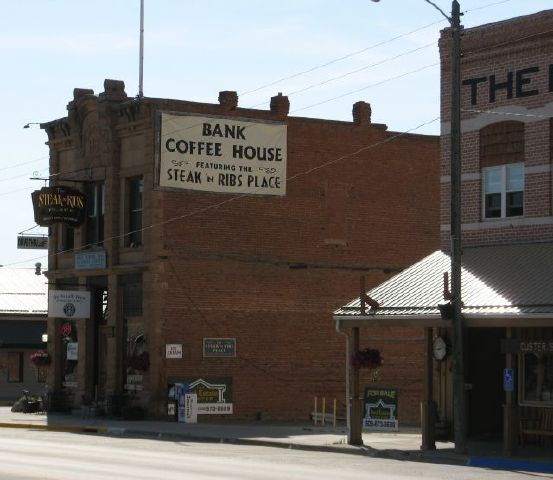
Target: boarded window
(131,286)
(502,143)
(15,367)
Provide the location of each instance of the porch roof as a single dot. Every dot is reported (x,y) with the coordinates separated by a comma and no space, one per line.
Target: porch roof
(506,285)
(22,292)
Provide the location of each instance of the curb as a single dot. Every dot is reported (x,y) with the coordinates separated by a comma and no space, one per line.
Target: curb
(496,463)
(245,441)
(510,464)
(57,427)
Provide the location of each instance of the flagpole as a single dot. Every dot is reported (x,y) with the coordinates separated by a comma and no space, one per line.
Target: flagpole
(141,62)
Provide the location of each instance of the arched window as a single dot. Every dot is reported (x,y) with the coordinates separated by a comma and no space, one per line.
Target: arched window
(502,164)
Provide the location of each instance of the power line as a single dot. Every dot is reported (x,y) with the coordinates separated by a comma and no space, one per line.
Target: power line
(352,72)
(365,87)
(237,196)
(23,163)
(336,60)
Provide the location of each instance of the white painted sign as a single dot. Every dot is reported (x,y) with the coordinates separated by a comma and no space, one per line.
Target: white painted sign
(191,408)
(73,351)
(211,154)
(173,350)
(69,304)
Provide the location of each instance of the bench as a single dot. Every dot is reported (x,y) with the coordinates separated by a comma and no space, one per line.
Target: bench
(539,426)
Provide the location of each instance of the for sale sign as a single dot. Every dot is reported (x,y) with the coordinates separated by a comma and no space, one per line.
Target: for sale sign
(381,409)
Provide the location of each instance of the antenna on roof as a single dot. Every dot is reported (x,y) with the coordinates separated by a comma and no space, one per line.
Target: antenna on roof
(141,60)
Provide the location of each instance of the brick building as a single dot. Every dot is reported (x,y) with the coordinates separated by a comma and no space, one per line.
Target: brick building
(201,276)
(507,233)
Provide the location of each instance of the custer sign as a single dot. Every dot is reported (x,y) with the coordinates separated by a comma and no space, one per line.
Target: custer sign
(222,155)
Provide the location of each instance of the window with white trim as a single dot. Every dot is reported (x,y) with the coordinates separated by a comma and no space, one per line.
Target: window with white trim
(95,213)
(503,191)
(135,199)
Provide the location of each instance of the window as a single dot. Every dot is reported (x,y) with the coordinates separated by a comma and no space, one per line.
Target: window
(136,190)
(504,191)
(132,294)
(67,238)
(95,213)
(537,378)
(15,367)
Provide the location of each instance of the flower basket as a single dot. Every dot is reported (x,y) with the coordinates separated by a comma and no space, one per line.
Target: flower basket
(367,358)
(40,358)
(139,362)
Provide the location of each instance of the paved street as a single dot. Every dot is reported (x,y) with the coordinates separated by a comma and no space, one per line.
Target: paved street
(32,454)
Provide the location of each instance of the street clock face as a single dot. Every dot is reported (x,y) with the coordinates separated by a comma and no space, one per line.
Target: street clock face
(439,348)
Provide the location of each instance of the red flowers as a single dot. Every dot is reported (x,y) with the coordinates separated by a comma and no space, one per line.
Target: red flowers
(367,358)
(40,358)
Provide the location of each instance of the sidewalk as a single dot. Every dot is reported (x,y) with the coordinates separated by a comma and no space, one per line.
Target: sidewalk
(402,445)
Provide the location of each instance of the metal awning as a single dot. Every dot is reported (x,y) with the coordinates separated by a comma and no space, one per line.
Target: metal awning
(502,286)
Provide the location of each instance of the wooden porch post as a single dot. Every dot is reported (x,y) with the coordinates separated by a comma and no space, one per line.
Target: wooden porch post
(428,420)
(510,427)
(355,428)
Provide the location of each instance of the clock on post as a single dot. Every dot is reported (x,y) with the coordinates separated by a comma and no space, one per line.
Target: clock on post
(439,348)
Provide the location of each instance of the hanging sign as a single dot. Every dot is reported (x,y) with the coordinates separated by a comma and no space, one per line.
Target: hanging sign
(212,154)
(59,205)
(69,304)
(32,242)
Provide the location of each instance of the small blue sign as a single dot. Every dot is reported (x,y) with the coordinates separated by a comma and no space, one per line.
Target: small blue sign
(90,260)
(508,379)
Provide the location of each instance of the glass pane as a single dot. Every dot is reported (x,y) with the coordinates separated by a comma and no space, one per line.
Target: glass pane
(493,205)
(515,204)
(538,377)
(515,177)
(492,180)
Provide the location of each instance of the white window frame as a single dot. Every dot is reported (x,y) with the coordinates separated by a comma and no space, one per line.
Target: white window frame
(504,191)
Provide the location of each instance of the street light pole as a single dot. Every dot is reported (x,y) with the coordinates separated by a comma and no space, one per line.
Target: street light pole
(459,407)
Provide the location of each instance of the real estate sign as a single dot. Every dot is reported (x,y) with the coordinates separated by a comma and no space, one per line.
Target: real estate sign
(213,395)
(381,409)
(213,154)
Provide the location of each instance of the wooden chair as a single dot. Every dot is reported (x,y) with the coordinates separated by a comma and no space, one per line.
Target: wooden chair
(540,426)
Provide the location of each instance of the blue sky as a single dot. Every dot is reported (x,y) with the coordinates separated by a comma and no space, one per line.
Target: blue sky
(196,48)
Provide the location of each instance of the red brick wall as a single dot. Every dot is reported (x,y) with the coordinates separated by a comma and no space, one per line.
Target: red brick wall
(225,271)
(497,49)
(229,274)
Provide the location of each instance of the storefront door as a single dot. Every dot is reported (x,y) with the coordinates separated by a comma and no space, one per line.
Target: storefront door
(484,382)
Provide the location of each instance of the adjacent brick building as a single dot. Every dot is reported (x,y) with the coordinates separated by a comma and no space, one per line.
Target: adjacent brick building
(507,239)
(234,288)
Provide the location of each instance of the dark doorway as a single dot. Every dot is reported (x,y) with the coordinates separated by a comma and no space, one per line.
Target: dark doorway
(98,288)
(484,381)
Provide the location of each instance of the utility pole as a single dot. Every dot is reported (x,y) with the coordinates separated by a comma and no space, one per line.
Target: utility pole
(459,407)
